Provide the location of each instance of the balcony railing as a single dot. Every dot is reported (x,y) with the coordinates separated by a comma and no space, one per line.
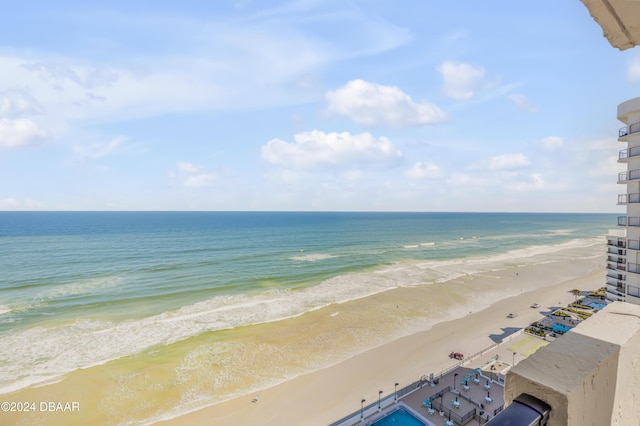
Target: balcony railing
(628,198)
(621,243)
(630,175)
(617,267)
(616,251)
(629,152)
(626,130)
(628,221)
(618,277)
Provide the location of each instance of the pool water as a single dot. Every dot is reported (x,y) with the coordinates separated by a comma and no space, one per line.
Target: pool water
(597,305)
(559,328)
(400,417)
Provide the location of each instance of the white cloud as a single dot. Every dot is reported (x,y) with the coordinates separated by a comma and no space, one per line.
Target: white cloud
(95,151)
(186,167)
(317,149)
(509,162)
(552,142)
(371,104)
(86,77)
(424,171)
(200,180)
(534,182)
(194,176)
(19,132)
(522,102)
(633,69)
(18,103)
(461,80)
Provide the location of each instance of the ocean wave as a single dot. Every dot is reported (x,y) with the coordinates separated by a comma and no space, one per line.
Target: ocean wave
(312,257)
(555,232)
(78,288)
(4,309)
(414,246)
(41,353)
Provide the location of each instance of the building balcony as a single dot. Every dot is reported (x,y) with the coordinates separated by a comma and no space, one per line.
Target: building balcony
(627,130)
(628,221)
(619,263)
(628,198)
(615,257)
(630,175)
(616,251)
(620,243)
(617,267)
(615,295)
(616,277)
(616,286)
(628,153)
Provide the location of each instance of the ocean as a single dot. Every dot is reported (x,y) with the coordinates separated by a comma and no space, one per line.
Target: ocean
(159,313)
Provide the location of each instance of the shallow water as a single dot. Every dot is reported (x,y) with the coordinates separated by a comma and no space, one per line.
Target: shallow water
(144,317)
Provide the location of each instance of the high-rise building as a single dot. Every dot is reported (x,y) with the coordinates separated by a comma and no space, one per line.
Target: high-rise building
(623,243)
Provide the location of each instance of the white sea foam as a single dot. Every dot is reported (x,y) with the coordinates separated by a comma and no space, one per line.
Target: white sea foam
(79,288)
(312,257)
(561,231)
(4,309)
(38,354)
(414,246)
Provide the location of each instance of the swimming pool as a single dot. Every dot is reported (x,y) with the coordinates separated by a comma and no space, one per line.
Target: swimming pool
(400,417)
(559,328)
(597,305)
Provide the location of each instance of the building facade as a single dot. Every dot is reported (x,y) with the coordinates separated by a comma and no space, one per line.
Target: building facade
(623,243)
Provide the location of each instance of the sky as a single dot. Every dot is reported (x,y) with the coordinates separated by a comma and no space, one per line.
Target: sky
(310,105)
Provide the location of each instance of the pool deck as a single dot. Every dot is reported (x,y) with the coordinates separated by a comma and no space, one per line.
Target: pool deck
(492,365)
(473,398)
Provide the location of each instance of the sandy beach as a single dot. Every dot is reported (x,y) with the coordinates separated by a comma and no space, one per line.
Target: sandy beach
(469,325)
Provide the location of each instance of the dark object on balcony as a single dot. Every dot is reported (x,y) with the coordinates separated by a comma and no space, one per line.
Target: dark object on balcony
(525,410)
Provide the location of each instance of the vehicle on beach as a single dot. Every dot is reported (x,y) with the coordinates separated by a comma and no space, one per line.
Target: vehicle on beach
(535,305)
(456,355)
(512,315)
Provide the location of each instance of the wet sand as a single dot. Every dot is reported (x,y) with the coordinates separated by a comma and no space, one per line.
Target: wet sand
(465,315)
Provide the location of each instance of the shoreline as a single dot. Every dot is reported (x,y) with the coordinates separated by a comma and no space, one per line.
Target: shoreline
(315,368)
(328,394)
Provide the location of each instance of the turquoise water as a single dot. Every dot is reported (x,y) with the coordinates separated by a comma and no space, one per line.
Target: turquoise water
(559,328)
(136,280)
(400,417)
(597,305)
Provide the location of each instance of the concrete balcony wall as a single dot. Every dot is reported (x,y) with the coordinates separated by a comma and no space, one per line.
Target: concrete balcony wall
(590,375)
(629,111)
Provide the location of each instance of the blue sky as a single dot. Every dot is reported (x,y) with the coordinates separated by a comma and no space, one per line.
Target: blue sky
(310,105)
